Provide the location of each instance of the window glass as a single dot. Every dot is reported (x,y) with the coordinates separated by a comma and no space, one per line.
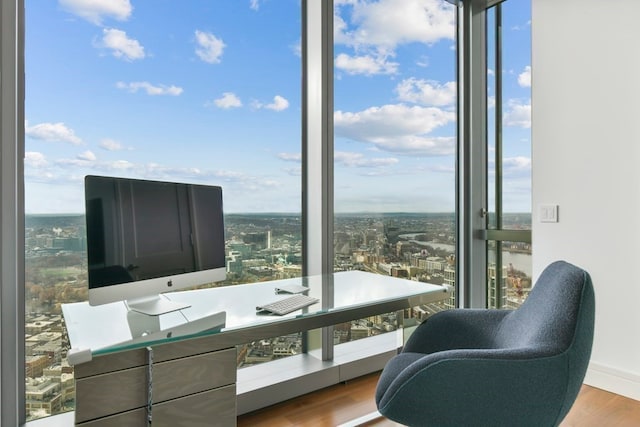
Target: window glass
(394,145)
(199,92)
(516,114)
(509,150)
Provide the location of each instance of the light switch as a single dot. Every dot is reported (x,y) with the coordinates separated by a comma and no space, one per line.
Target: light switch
(548,213)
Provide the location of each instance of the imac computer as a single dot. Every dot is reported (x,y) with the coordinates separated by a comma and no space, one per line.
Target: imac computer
(149,237)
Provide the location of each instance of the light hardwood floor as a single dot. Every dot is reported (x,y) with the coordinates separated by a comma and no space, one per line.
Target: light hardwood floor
(344,402)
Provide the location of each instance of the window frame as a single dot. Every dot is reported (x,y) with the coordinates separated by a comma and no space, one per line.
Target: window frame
(317,186)
(317,144)
(471,173)
(498,234)
(12,310)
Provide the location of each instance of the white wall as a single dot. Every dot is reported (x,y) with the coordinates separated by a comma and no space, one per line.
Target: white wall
(586,159)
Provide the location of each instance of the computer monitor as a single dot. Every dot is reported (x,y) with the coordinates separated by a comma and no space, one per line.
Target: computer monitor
(149,237)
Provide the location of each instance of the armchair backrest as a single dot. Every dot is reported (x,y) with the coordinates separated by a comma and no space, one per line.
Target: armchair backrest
(550,314)
(557,317)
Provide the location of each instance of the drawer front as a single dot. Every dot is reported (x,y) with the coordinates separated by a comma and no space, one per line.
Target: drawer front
(189,375)
(212,408)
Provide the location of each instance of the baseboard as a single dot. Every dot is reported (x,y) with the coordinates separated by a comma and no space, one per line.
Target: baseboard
(614,380)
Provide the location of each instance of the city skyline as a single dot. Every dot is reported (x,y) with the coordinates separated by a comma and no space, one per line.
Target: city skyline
(259,247)
(159,91)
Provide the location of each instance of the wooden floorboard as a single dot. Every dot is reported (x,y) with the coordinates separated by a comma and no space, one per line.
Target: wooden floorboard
(344,402)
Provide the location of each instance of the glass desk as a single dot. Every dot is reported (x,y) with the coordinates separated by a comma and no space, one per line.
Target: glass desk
(193,350)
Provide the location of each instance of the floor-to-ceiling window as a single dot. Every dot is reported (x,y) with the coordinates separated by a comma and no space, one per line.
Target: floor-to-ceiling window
(198,92)
(509,153)
(134,89)
(395,146)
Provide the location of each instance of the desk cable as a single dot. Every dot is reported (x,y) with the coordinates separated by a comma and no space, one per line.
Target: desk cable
(149,385)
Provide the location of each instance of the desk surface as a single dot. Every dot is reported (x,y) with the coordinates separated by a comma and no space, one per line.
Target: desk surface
(111,327)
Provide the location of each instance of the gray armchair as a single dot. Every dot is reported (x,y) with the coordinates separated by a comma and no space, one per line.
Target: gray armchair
(521,367)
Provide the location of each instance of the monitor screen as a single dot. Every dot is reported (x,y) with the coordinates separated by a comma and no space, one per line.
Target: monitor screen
(149,237)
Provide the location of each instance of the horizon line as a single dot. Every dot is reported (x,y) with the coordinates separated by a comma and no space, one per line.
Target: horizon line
(298,213)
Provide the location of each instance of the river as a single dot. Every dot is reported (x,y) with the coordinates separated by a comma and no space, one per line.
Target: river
(520,261)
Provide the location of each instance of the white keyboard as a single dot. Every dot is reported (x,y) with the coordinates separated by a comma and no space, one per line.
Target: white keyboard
(288,304)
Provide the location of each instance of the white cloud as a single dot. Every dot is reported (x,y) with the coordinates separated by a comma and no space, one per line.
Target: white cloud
(86,159)
(43,175)
(111,145)
(121,165)
(423,61)
(95,11)
(210,48)
(388,23)
(416,145)
(228,175)
(150,89)
(524,78)
(398,128)
(296,48)
(88,156)
(121,45)
(228,100)
(516,166)
(426,92)
(279,103)
(390,121)
(491,101)
(367,64)
(254,4)
(374,29)
(290,157)
(57,132)
(526,26)
(340,27)
(35,159)
(448,169)
(76,163)
(297,171)
(358,160)
(518,114)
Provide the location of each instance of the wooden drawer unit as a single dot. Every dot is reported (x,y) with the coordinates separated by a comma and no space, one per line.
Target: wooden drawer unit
(200,386)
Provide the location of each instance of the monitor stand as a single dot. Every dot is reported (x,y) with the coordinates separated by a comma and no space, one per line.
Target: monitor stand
(142,325)
(146,328)
(155,305)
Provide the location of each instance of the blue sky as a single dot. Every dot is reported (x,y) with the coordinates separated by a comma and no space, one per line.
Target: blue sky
(209,92)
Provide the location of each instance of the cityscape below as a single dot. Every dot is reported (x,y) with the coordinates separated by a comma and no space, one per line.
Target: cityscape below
(259,247)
